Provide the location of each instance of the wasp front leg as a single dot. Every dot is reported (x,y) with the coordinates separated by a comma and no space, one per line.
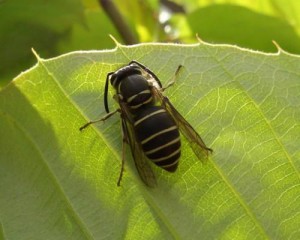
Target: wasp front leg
(173,79)
(99,120)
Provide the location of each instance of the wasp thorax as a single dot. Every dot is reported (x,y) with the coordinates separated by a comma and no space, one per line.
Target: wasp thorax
(122,73)
(135,91)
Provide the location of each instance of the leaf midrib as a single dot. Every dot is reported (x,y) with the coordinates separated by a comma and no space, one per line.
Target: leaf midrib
(146,195)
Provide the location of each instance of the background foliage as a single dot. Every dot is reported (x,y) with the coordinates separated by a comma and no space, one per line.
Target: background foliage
(59,26)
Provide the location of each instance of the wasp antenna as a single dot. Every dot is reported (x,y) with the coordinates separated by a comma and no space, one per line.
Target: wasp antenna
(106,91)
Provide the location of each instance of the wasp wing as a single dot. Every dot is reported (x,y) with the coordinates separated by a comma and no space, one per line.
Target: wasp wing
(186,129)
(140,159)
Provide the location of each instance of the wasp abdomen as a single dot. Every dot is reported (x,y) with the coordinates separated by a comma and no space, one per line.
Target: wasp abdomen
(159,136)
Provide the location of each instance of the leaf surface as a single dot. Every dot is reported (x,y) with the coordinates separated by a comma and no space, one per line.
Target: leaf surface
(59,183)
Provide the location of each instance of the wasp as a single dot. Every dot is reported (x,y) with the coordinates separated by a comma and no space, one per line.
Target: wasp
(151,125)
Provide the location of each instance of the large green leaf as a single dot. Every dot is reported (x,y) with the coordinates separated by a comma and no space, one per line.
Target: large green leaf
(243,27)
(287,10)
(33,23)
(59,183)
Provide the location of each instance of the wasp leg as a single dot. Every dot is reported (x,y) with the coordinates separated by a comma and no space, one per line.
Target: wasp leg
(125,139)
(173,80)
(99,120)
(123,161)
(147,70)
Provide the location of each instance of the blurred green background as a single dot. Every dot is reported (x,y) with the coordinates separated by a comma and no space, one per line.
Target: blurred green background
(55,27)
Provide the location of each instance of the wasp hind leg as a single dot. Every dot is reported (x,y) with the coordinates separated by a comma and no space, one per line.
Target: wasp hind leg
(125,139)
(123,161)
(99,120)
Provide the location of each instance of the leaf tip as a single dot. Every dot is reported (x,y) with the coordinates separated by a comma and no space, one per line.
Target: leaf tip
(35,54)
(115,40)
(199,39)
(279,49)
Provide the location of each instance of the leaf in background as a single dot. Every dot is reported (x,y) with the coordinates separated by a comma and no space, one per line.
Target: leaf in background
(93,35)
(243,27)
(59,183)
(33,23)
(287,11)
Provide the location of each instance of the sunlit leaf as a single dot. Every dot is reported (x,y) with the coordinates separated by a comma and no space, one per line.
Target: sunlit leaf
(59,183)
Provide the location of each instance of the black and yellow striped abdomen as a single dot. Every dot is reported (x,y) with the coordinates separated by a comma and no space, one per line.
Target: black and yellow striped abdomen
(159,136)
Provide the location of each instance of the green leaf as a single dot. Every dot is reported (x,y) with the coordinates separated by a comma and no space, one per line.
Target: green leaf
(33,23)
(59,183)
(285,10)
(243,27)
(93,35)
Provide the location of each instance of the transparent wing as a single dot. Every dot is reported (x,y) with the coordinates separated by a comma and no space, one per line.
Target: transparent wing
(140,159)
(194,139)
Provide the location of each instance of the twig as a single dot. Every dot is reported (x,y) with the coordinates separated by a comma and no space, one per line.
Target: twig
(118,20)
